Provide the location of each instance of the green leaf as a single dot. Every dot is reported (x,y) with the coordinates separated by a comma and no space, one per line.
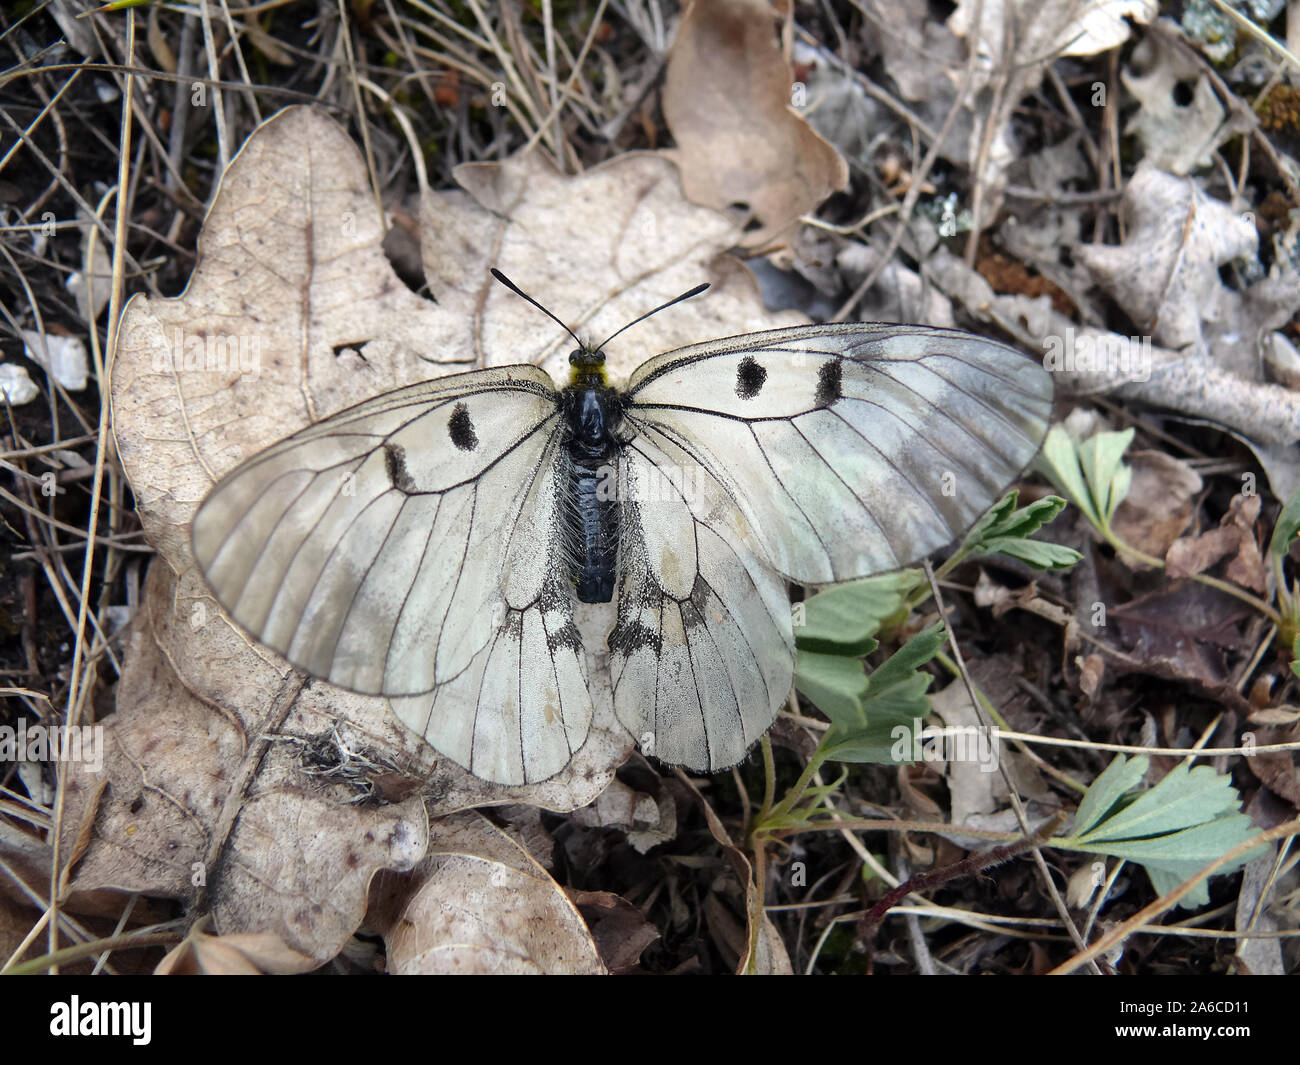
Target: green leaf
(1116,779)
(894,698)
(1092,473)
(1102,459)
(1003,519)
(836,684)
(1059,461)
(844,619)
(1005,530)
(1185,797)
(1173,829)
(1035,553)
(1295,655)
(1288,524)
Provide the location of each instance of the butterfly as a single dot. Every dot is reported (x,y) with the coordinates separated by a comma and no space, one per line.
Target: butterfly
(430,544)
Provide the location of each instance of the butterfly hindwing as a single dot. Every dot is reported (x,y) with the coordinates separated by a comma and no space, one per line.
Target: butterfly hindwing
(851,449)
(702,654)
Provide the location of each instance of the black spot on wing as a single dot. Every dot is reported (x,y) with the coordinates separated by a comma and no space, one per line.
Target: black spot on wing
(749,378)
(567,635)
(830,379)
(398,475)
(554,600)
(461,428)
(629,636)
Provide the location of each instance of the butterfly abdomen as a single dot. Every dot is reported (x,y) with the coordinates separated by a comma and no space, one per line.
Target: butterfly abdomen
(591,517)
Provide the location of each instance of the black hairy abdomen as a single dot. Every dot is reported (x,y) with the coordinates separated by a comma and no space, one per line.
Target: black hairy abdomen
(593,530)
(590,514)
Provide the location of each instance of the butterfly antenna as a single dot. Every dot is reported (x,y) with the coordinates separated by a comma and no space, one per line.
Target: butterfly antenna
(520,292)
(663,306)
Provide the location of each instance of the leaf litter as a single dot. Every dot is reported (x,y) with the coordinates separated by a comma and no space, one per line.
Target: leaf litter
(286,822)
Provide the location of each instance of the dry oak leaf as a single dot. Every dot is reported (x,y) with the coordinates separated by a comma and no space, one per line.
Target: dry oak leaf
(292,313)
(237,955)
(1160,503)
(647,820)
(292,273)
(211,801)
(1043,30)
(1176,135)
(727,97)
(618,928)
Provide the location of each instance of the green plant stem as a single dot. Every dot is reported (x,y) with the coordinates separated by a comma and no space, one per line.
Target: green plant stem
(793,796)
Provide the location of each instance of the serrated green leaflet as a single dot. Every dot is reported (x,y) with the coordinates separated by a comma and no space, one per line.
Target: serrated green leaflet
(836,684)
(1118,778)
(1173,830)
(1092,473)
(1004,530)
(862,730)
(1185,797)
(1101,457)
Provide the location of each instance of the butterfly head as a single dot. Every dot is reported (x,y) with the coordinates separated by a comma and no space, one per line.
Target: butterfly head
(588,367)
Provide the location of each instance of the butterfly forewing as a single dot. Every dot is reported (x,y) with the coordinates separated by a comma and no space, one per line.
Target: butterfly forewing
(850,449)
(401,546)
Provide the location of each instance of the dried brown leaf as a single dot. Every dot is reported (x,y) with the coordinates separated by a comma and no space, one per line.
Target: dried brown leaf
(1166,273)
(1235,536)
(619,929)
(291,262)
(727,96)
(1160,503)
(196,810)
(234,955)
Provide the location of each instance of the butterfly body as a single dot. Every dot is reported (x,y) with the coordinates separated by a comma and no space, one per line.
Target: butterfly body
(432,544)
(590,410)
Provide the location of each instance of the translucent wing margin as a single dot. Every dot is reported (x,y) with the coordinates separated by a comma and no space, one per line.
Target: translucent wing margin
(702,655)
(401,548)
(850,449)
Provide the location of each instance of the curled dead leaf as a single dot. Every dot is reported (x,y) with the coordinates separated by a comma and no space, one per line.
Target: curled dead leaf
(1091,669)
(1234,537)
(235,955)
(479,903)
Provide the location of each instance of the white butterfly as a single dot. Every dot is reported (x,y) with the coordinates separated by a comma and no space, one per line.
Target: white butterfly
(428,544)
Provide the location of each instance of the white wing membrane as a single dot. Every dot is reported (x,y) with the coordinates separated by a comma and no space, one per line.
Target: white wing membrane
(407,547)
(414,546)
(850,449)
(702,656)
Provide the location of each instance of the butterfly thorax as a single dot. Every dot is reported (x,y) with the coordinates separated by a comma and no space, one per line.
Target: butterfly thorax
(591,411)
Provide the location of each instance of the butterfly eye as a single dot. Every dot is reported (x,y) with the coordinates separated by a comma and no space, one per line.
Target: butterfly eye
(586,357)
